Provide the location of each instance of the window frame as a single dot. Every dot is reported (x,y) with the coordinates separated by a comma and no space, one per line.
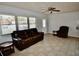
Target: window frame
(26,24)
(34,23)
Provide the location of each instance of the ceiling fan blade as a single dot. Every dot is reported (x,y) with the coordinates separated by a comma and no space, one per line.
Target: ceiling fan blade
(44,11)
(57,10)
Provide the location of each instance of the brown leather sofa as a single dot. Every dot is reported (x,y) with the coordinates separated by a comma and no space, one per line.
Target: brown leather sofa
(25,38)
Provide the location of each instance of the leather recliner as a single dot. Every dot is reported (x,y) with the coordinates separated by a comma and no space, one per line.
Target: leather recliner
(62,32)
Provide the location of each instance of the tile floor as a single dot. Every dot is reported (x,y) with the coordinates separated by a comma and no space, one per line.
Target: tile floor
(52,46)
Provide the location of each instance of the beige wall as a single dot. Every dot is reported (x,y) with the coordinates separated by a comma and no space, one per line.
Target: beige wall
(70,19)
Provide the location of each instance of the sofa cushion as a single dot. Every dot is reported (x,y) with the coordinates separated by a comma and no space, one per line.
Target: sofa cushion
(36,37)
(22,34)
(28,32)
(33,31)
(24,41)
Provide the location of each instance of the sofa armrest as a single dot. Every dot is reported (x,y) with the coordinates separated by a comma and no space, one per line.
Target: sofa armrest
(17,39)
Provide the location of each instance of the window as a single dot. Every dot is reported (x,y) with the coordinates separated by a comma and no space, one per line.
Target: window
(7,19)
(44,23)
(32,22)
(22,23)
(7,23)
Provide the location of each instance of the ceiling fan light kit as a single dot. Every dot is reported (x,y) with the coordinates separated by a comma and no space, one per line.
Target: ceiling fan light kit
(50,12)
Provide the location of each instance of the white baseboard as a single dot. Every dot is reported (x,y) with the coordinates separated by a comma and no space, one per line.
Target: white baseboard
(73,36)
(68,35)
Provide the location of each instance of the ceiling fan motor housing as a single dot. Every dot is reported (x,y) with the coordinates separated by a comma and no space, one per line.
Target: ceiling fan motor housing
(51,9)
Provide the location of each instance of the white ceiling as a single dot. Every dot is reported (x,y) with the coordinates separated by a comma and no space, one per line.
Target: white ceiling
(42,6)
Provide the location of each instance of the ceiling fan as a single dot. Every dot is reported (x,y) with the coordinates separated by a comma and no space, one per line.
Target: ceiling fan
(51,10)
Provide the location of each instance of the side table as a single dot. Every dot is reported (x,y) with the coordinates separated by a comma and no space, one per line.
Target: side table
(7,48)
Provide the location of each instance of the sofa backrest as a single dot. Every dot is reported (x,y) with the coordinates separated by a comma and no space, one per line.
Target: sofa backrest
(24,33)
(20,34)
(33,31)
